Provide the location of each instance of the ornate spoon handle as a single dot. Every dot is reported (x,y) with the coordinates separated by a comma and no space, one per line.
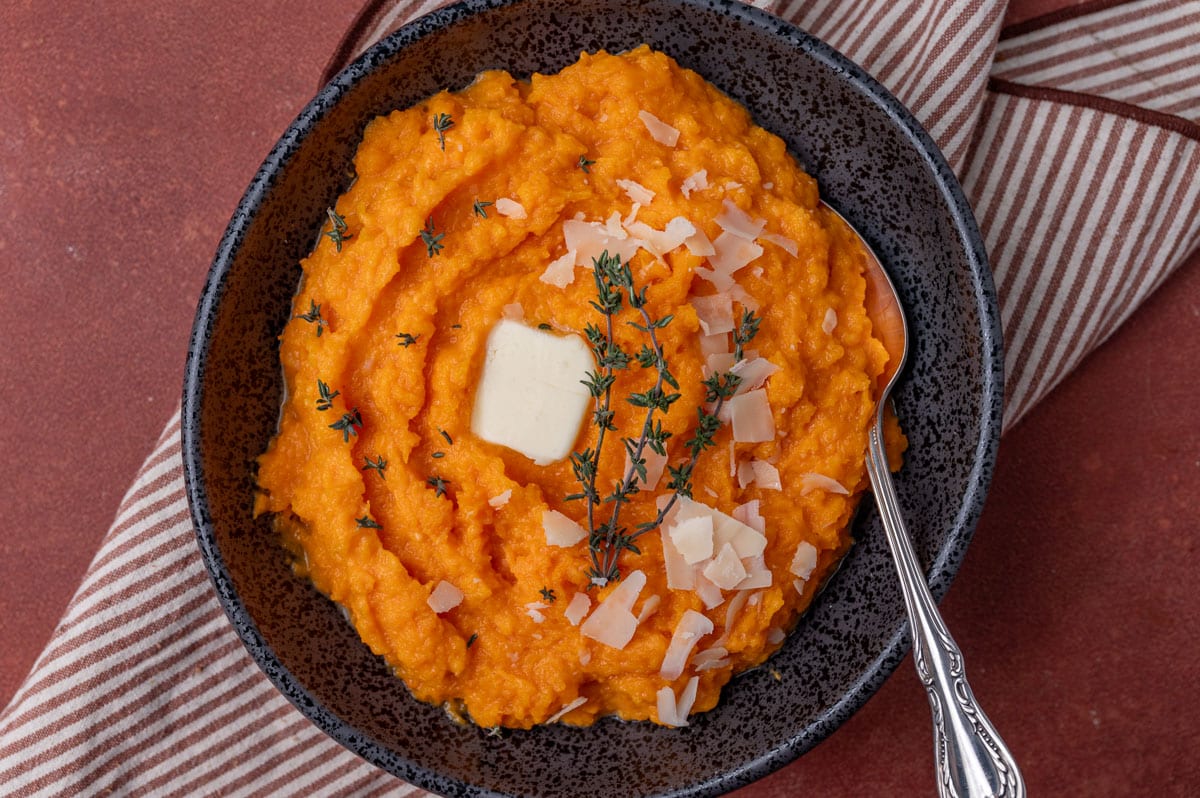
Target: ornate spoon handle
(971,758)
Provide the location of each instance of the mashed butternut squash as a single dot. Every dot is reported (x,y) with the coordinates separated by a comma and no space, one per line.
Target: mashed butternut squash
(462,562)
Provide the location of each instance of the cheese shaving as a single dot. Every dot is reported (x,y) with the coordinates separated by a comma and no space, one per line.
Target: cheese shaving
(734,220)
(750,416)
(697,181)
(510,208)
(444,597)
(612,623)
(810,482)
(560,530)
(714,312)
(577,610)
(829,324)
(500,499)
(691,627)
(576,704)
(783,242)
(660,131)
(766,476)
(561,271)
(636,191)
(805,560)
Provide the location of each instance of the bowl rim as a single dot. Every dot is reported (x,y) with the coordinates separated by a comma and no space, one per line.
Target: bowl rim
(941,570)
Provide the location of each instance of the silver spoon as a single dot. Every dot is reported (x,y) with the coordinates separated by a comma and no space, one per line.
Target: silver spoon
(971,758)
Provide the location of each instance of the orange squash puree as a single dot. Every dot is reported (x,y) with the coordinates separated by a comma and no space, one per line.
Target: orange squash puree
(427,513)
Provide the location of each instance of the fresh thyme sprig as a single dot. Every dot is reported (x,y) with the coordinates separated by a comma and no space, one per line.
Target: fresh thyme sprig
(337,234)
(438,484)
(548,594)
(442,123)
(349,424)
(326,397)
(606,540)
(585,163)
(379,465)
(407,339)
(433,242)
(313,316)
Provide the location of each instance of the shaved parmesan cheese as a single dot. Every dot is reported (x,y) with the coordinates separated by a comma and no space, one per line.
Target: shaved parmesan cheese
(589,239)
(510,208)
(740,294)
(693,538)
(694,182)
(560,530)
(533,610)
(775,636)
(810,482)
(513,311)
(615,227)
(699,245)
(799,585)
(714,344)
(444,597)
(746,542)
(708,592)
(576,704)
(636,191)
(766,475)
(668,715)
(720,280)
(578,608)
(649,607)
(683,707)
(715,313)
(805,560)
(754,372)
(710,658)
(585,657)
(655,465)
(726,569)
(660,131)
(733,252)
(733,219)
(786,244)
(745,474)
(758,575)
(749,515)
(561,271)
(633,212)
(680,575)
(612,623)
(691,627)
(830,321)
(718,363)
(500,499)
(750,415)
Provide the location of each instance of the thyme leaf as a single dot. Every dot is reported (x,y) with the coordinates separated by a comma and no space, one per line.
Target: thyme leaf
(366,523)
(480,208)
(313,316)
(349,424)
(442,123)
(407,339)
(433,242)
(438,484)
(378,465)
(584,163)
(548,594)
(337,234)
(325,396)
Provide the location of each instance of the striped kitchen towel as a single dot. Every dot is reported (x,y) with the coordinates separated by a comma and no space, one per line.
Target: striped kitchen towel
(1077,138)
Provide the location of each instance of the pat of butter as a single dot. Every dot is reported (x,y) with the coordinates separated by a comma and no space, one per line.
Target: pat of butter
(531,397)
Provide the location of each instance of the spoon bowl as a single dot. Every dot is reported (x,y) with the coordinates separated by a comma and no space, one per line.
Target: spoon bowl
(971,759)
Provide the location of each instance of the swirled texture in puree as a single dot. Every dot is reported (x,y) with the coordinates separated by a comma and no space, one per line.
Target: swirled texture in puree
(579,145)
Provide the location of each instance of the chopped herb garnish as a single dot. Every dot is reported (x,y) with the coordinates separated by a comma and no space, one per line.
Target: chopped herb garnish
(585,163)
(438,484)
(366,523)
(544,326)
(438,455)
(326,397)
(455,326)
(548,594)
(446,435)
(480,207)
(608,538)
(471,640)
(378,464)
(349,424)
(432,241)
(407,339)
(313,316)
(338,233)
(442,123)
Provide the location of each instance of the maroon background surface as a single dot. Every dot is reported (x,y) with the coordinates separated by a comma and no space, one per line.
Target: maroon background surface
(128,132)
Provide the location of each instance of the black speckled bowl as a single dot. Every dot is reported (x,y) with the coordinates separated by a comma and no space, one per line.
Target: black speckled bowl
(874,163)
